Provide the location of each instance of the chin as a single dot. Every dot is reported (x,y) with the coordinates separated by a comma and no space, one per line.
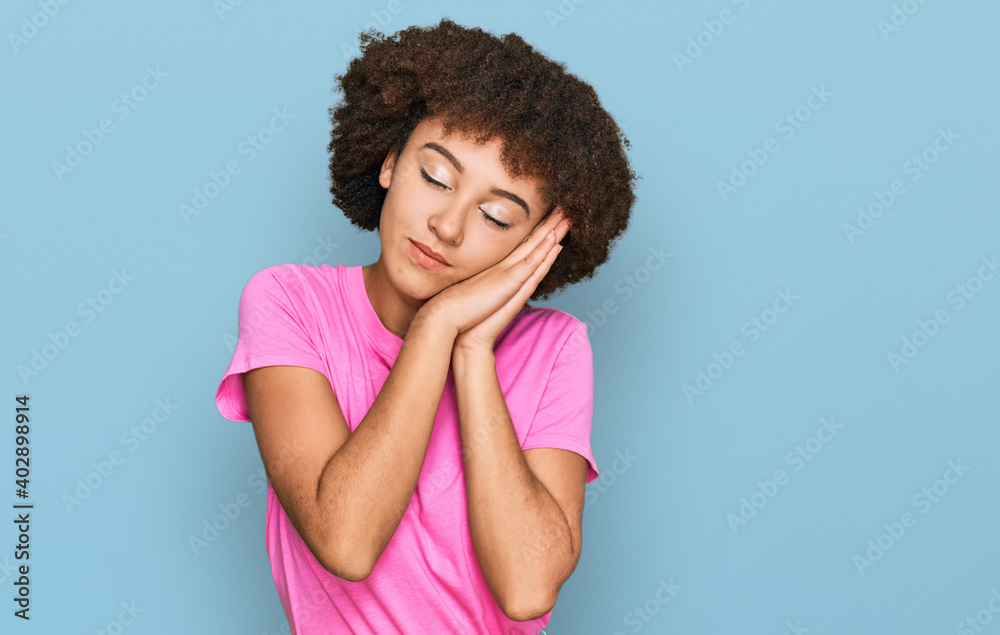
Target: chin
(413,282)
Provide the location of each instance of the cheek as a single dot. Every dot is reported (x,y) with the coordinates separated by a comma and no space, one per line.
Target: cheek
(495,250)
(480,254)
(392,216)
(514,243)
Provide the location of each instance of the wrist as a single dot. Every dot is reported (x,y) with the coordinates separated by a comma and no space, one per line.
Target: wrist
(465,352)
(431,318)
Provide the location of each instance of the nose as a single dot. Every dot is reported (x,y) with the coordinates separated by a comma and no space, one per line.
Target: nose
(447,222)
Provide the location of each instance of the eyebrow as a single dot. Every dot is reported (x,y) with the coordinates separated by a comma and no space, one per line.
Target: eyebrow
(458,166)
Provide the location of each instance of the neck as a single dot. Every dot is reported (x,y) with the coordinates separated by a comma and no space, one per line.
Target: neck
(393,309)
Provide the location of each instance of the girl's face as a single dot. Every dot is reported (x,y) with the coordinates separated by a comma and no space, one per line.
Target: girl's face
(456,199)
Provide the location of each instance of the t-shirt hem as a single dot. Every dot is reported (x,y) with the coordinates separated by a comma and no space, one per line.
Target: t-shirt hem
(566,443)
(225,394)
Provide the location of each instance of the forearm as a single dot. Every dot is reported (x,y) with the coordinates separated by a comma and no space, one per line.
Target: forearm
(366,486)
(521,537)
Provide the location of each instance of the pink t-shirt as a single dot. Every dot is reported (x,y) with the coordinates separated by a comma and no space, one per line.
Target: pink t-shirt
(427,579)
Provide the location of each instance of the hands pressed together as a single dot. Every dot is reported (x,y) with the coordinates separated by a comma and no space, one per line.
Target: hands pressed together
(480,307)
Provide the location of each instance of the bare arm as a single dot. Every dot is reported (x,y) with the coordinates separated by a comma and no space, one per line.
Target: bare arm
(346,493)
(526,535)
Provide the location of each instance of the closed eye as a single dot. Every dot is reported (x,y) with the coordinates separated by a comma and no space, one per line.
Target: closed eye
(427,177)
(494,221)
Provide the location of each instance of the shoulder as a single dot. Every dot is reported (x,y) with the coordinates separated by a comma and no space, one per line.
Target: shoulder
(546,328)
(292,280)
(291,289)
(289,273)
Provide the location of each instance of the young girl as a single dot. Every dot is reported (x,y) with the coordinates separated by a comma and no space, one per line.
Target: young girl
(425,432)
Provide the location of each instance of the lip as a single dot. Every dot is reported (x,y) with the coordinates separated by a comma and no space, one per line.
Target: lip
(430,252)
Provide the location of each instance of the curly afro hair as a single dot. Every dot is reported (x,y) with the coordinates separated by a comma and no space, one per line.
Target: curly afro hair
(550,124)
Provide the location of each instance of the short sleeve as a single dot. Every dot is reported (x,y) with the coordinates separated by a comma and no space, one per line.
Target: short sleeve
(566,410)
(272,332)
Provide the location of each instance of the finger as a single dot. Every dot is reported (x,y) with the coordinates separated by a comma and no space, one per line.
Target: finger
(529,286)
(555,222)
(540,250)
(522,262)
(551,221)
(538,240)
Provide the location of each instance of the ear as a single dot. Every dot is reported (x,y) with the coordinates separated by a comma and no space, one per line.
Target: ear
(388,165)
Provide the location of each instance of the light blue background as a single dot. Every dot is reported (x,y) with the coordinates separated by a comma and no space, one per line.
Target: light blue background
(171,332)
